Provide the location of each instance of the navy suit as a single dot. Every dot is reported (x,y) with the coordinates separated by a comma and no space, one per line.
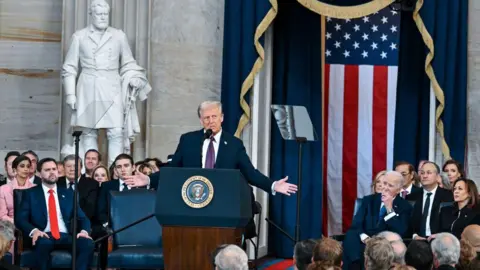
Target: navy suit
(231,155)
(367,221)
(33,214)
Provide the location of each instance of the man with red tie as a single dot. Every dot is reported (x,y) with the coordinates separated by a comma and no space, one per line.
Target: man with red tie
(46,214)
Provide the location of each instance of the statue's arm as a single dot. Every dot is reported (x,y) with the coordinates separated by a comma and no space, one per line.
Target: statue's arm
(126,56)
(70,66)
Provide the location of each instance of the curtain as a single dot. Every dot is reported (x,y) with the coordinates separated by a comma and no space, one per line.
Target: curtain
(296,81)
(245,23)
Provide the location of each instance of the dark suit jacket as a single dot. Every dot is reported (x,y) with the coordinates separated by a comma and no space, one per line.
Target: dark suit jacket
(7,266)
(87,195)
(37,180)
(33,211)
(441,195)
(367,221)
(231,155)
(414,189)
(454,221)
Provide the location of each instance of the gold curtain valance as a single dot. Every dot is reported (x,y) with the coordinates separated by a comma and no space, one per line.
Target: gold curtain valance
(345,12)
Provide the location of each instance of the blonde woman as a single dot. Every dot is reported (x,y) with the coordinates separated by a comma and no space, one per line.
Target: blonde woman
(100,174)
(377,182)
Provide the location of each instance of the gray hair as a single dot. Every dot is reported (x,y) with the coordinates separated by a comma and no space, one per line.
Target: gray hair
(445,181)
(397,175)
(206,104)
(446,249)
(98,3)
(378,254)
(72,157)
(7,229)
(390,236)
(231,258)
(399,250)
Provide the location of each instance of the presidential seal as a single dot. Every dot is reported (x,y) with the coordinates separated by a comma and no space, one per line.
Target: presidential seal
(197,191)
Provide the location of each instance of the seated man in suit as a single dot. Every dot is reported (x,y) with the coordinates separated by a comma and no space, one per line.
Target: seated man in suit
(46,214)
(426,212)
(408,172)
(385,211)
(213,147)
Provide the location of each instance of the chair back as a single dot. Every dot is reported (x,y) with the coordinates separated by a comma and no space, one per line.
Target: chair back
(130,206)
(444,204)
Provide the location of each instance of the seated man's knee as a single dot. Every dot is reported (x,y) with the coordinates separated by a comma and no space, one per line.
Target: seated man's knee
(85,243)
(43,243)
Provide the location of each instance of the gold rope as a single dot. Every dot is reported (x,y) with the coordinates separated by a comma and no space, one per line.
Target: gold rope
(345,12)
(248,82)
(437,89)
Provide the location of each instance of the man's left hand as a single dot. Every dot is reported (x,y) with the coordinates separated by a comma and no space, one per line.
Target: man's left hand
(137,83)
(83,234)
(283,187)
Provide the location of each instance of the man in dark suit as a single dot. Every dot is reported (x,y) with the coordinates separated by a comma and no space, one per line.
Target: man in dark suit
(46,214)
(408,172)
(385,211)
(219,150)
(87,187)
(426,212)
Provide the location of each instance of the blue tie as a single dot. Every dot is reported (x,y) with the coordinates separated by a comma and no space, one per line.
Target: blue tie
(210,159)
(383,212)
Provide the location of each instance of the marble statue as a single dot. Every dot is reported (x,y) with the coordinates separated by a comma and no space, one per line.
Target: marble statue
(108,84)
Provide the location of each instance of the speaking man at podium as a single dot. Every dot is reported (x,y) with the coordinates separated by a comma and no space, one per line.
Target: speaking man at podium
(212,147)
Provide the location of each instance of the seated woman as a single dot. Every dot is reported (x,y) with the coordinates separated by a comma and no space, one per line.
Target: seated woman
(21,167)
(377,182)
(454,170)
(464,211)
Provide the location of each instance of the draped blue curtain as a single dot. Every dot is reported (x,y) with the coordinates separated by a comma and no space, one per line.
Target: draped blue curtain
(241,20)
(296,81)
(446,21)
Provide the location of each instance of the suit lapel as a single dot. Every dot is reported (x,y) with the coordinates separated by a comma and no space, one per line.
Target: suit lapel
(61,200)
(42,201)
(377,201)
(222,145)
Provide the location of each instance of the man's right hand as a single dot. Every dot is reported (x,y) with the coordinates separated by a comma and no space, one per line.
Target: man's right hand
(71,100)
(419,238)
(137,180)
(36,234)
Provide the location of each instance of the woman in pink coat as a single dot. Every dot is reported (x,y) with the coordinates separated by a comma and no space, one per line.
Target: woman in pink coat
(21,167)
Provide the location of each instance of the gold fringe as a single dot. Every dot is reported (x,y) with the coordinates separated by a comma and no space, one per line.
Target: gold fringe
(345,12)
(248,82)
(437,89)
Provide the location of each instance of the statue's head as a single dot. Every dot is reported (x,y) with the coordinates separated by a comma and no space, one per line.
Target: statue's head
(99,10)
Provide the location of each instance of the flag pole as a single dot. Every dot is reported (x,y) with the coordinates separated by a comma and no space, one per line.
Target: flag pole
(431,127)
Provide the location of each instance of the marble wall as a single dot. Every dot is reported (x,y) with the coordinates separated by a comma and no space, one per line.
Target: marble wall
(30,42)
(186,67)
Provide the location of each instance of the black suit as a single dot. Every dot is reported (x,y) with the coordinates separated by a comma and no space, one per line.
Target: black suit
(87,195)
(7,266)
(37,180)
(454,221)
(441,195)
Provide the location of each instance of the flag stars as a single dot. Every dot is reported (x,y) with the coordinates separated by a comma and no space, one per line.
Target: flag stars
(337,44)
(393,46)
(366,19)
(328,53)
(346,36)
(347,20)
(328,35)
(338,27)
(365,36)
(394,12)
(383,55)
(384,37)
(356,45)
(365,54)
(374,28)
(374,46)
(384,20)
(329,19)
(393,29)
(356,28)
(346,53)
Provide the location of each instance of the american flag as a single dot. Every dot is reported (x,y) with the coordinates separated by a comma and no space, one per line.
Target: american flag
(361,65)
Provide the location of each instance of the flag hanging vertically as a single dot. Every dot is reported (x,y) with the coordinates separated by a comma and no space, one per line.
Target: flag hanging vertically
(361,66)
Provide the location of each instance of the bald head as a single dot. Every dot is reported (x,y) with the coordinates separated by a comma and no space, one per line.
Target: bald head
(390,236)
(399,249)
(472,234)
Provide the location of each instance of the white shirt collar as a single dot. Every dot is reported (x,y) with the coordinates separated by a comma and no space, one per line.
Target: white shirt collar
(68,181)
(409,188)
(46,189)
(216,136)
(433,191)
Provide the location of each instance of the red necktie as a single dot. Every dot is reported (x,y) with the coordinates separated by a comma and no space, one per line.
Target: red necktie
(52,214)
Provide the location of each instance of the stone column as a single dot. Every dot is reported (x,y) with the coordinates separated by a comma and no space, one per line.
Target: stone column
(133,17)
(186,68)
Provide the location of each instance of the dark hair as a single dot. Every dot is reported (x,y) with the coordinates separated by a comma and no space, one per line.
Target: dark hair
(419,255)
(471,189)
(302,252)
(158,162)
(457,164)
(411,168)
(31,153)
(19,160)
(94,151)
(43,161)
(123,156)
(11,154)
(73,157)
(328,251)
(434,164)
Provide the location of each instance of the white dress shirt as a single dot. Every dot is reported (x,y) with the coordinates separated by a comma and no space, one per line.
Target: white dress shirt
(390,215)
(408,189)
(68,182)
(32,179)
(61,223)
(122,186)
(428,232)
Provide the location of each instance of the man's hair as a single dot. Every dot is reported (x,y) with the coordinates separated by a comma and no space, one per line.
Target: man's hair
(445,181)
(43,161)
(446,249)
(328,251)
(231,257)
(123,156)
(72,157)
(302,253)
(31,153)
(419,255)
(397,175)
(7,229)
(157,161)
(399,250)
(11,154)
(389,235)
(437,168)
(98,3)
(206,104)
(378,254)
(94,151)
(19,160)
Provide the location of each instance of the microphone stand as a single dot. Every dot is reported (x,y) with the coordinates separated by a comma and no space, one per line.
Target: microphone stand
(76,135)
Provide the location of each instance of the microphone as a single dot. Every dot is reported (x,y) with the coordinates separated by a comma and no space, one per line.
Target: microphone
(207,134)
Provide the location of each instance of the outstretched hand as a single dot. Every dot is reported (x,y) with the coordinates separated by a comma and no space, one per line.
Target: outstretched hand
(281,186)
(137,180)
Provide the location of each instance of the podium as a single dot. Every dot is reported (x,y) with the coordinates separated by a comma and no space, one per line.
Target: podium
(200,209)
